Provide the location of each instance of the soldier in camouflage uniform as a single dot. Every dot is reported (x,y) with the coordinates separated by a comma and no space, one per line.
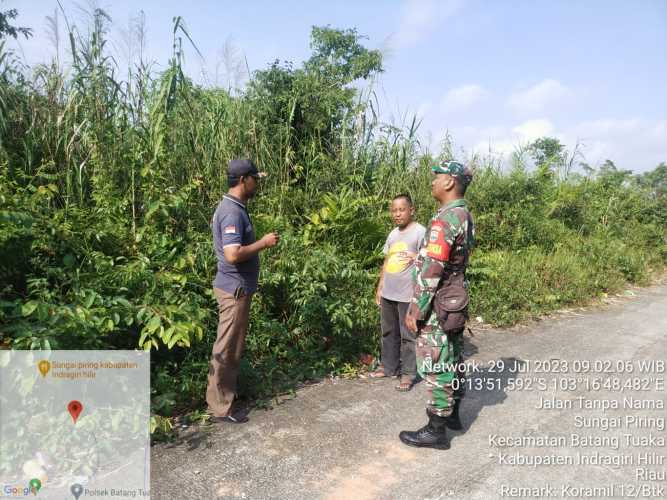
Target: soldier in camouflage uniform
(438,310)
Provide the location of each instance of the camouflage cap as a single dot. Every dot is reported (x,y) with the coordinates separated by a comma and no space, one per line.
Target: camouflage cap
(455,169)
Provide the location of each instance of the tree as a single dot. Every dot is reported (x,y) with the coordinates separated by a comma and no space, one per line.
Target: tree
(655,180)
(610,175)
(313,100)
(7,29)
(339,58)
(547,152)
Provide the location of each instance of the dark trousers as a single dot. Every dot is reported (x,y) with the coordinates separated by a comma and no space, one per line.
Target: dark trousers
(398,344)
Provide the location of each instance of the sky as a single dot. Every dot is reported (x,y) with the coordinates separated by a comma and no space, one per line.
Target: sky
(494,75)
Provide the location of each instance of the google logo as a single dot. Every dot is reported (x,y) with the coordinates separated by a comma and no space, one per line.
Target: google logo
(22,491)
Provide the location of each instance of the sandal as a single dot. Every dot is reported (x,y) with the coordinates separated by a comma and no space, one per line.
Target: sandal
(378,373)
(238,417)
(405,384)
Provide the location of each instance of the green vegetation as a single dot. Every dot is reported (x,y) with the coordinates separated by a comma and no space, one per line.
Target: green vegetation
(107,187)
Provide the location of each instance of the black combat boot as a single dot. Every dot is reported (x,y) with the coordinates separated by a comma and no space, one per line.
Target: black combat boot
(432,435)
(453,421)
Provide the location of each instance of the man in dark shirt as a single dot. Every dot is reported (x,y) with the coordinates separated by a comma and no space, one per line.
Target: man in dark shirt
(234,284)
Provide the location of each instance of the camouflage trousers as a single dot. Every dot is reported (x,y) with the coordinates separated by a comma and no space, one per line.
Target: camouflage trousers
(439,363)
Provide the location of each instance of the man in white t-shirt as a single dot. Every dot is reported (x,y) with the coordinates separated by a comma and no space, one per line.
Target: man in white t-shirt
(394,293)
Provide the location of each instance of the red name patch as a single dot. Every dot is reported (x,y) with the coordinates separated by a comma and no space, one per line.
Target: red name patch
(437,247)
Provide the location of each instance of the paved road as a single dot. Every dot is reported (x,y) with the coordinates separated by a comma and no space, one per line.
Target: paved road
(338,439)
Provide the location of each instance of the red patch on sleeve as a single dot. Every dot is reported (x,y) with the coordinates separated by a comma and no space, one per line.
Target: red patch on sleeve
(437,248)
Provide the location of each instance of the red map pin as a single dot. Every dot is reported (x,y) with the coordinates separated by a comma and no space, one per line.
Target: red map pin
(74,408)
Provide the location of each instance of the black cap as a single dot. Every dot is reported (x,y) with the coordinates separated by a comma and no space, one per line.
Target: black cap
(238,168)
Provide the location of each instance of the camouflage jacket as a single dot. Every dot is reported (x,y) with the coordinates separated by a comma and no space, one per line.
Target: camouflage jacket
(447,244)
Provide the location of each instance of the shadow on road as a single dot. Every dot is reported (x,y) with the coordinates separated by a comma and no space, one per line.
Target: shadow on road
(197,438)
(486,386)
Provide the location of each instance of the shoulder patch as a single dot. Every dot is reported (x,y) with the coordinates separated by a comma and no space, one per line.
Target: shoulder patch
(230,230)
(437,248)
